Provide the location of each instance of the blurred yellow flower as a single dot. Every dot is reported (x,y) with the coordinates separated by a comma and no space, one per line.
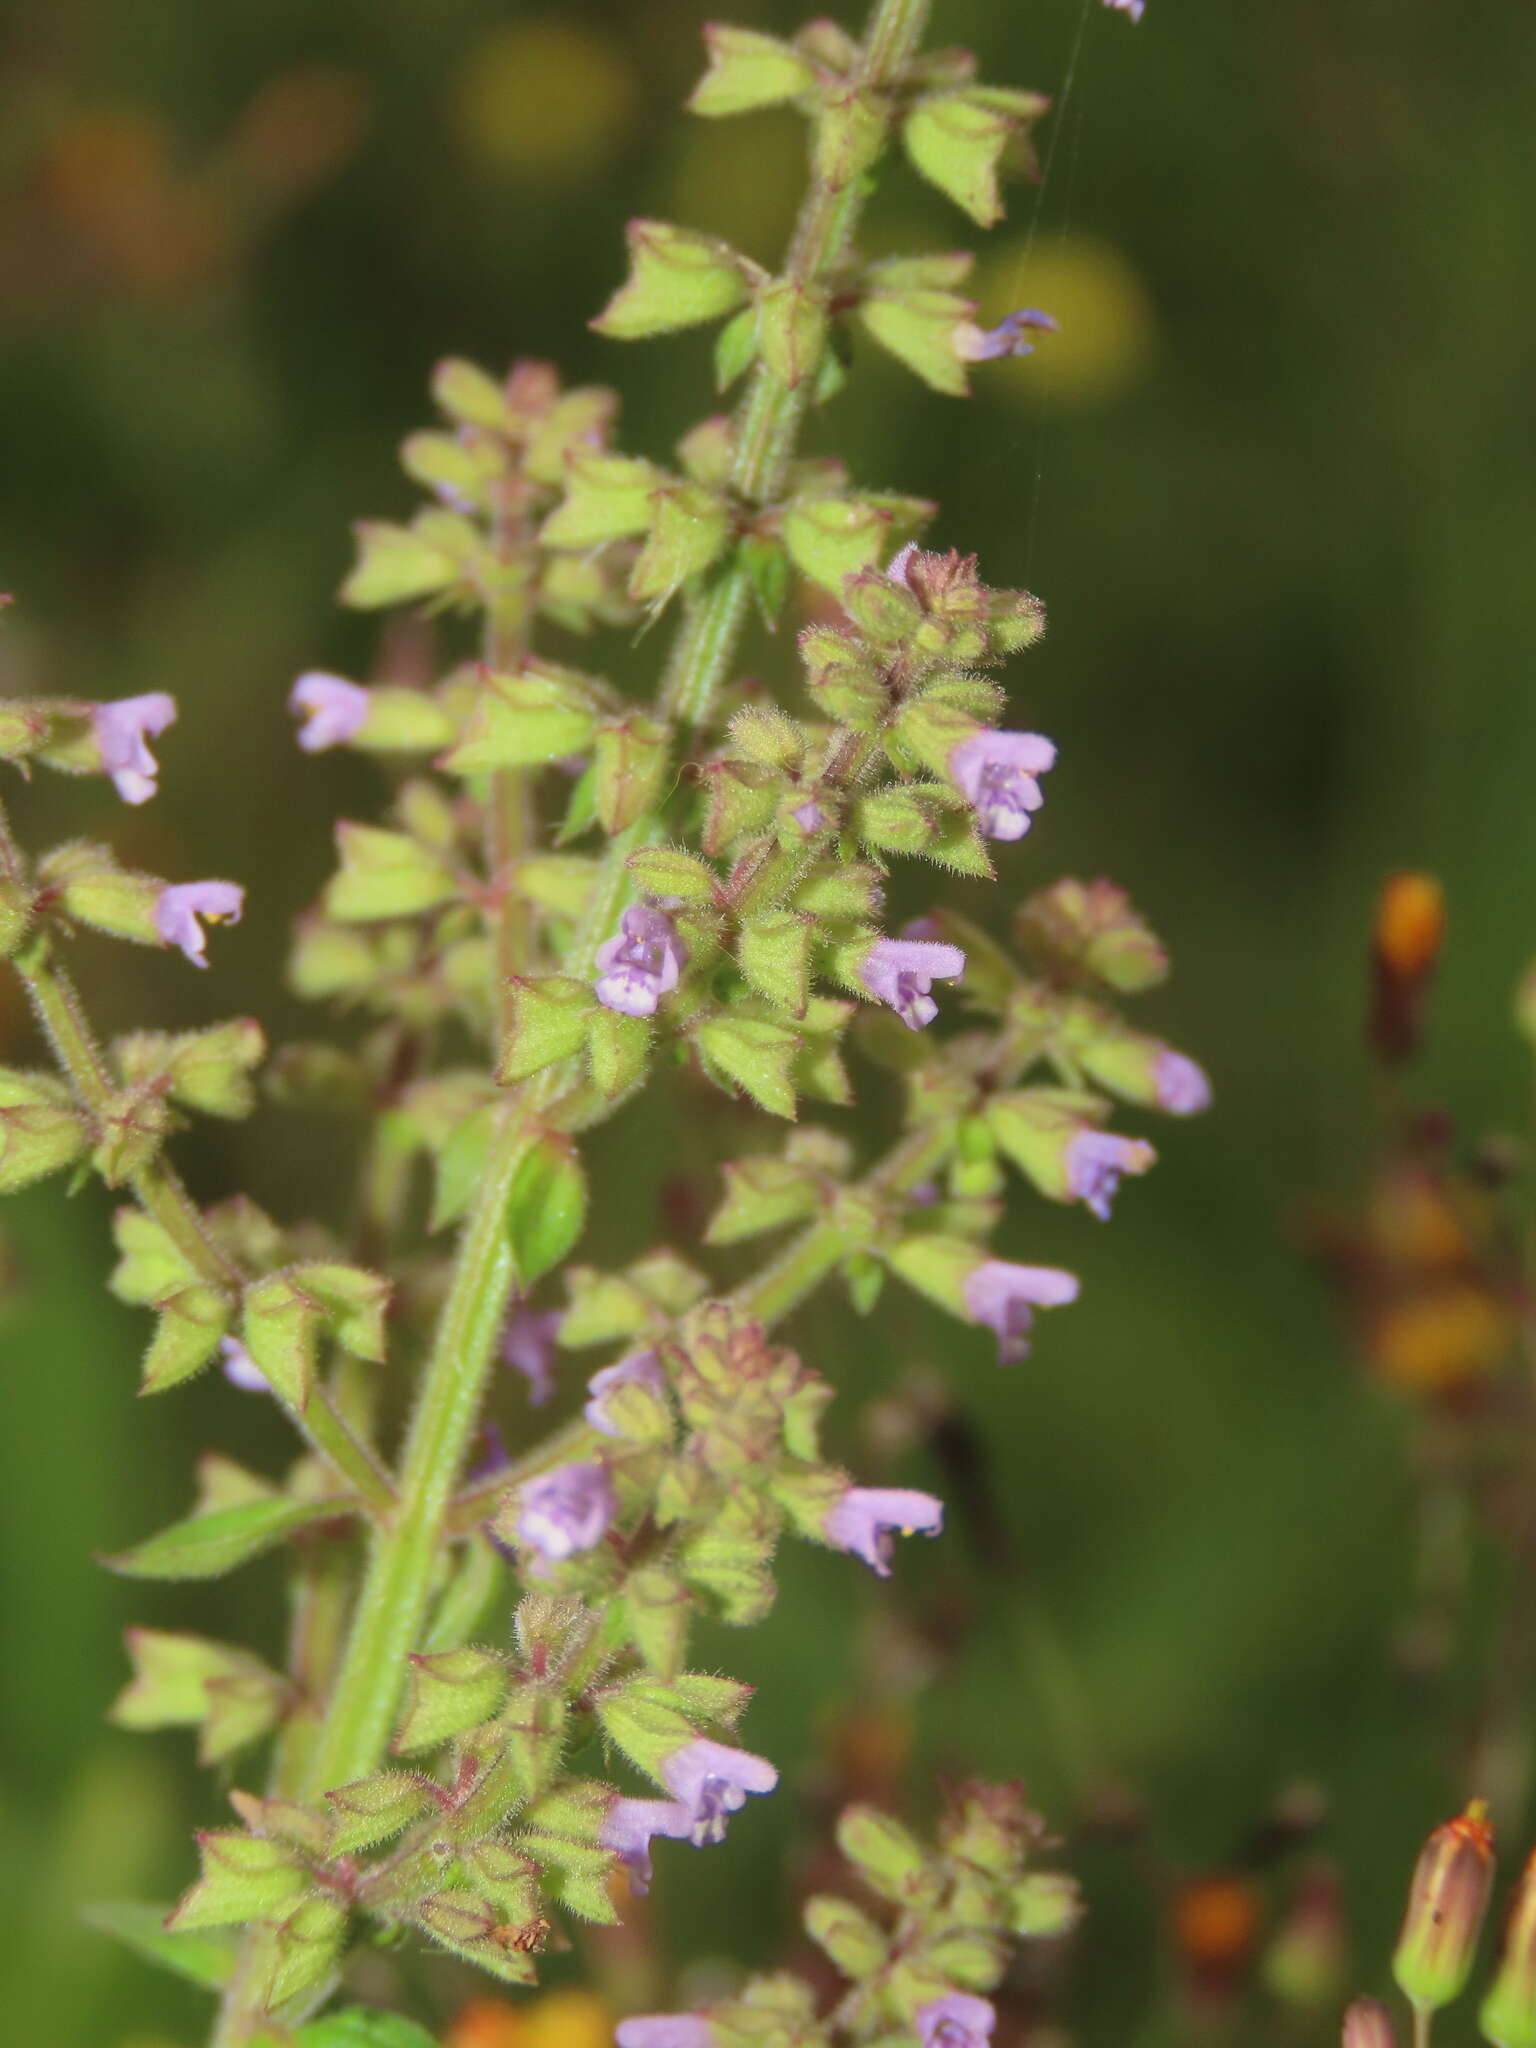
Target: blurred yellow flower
(1108,326)
(545,96)
(1442,1339)
(560,2019)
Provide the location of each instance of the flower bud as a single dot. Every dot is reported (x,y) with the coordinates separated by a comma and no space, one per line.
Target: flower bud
(1367,2025)
(1508,2013)
(1446,1902)
(1405,945)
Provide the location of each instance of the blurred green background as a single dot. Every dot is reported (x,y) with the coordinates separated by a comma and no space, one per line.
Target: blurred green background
(1276,482)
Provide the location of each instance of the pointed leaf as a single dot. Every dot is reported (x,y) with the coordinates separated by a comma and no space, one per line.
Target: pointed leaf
(207,1546)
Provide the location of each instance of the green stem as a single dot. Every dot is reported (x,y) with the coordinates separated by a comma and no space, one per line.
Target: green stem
(396,1588)
(770,415)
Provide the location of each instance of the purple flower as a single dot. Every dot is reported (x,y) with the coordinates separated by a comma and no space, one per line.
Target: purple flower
(1003,1296)
(975,344)
(240,1369)
(638,1368)
(628,1827)
(120,728)
(1095,1161)
(957,2020)
(566,1509)
(179,906)
(528,1346)
(901,972)
(640,963)
(493,1457)
(861,1521)
(997,771)
(665,2030)
(809,816)
(335,709)
(1134,8)
(713,1780)
(1181,1086)
(896,567)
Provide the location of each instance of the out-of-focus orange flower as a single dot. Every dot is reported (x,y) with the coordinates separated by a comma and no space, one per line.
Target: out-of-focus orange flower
(560,2019)
(299,129)
(1405,946)
(1442,1338)
(1215,1923)
(1410,923)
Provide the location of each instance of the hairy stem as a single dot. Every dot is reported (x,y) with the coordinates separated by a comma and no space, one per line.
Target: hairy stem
(770,414)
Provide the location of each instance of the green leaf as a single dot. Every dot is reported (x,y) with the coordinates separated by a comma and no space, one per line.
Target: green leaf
(205,1959)
(385,874)
(540,714)
(361,2026)
(469,394)
(287,1313)
(830,538)
(619,1049)
(910,310)
(546,1206)
(40,1128)
(755,1054)
(689,529)
(187,1333)
(669,871)
(676,279)
(848,136)
(86,884)
(607,497)
(460,1166)
(451,1690)
(395,564)
(762,1194)
(549,1023)
(630,759)
(207,1546)
(244,1878)
(372,1809)
(956,141)
(735,347)
(747,71)
(774,953)
(791,330)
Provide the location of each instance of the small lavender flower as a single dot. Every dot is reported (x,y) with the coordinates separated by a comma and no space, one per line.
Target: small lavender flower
(713,1780)
(1182,1086)
(240,1369)
(956,2020)
(335,709)
(1095,1161)
(120,728)
(528,1346)
(640,963)
(997,771)
(896,567)
(901,972)
(566,1509)
(975,344)
(665,2030)
(861,1521)
(638,1368)
(809,816)
(179,906)
(1134,8)
(1003,1296)
(628,1827)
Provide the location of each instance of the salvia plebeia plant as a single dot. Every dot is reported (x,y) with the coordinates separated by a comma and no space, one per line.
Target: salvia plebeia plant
(573,888)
